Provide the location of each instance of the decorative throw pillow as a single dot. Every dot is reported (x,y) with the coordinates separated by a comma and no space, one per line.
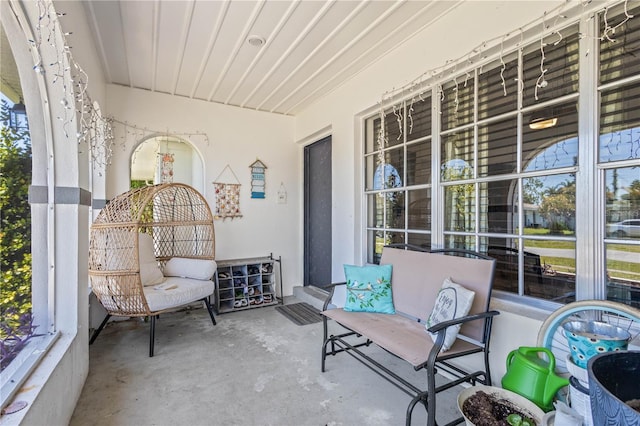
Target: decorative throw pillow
(453,301)
(198,269)
(150,272)
(369,289)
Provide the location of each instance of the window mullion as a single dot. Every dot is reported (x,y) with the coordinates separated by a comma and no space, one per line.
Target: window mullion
(437,192)
(520,203)
(589,227)
(405,166)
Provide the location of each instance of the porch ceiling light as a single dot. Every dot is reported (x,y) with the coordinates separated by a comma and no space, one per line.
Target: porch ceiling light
(255,40)
(543,119)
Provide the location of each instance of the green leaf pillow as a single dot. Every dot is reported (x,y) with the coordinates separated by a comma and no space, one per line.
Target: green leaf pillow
(369,289)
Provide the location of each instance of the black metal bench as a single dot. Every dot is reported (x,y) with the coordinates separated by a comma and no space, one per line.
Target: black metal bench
(417,278)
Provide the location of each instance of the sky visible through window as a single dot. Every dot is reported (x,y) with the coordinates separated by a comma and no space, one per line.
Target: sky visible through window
(569,148)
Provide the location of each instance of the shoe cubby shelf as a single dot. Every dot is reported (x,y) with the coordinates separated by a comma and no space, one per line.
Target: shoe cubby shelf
(245,284)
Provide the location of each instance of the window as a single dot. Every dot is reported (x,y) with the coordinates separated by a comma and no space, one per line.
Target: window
(398,176)
(20,313)
(28,266)
(15,258)
(509,162)
(619,159)
(483,212)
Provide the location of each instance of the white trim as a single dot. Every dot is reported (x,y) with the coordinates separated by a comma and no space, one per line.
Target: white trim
(16,373)
(589,248)
(315,136)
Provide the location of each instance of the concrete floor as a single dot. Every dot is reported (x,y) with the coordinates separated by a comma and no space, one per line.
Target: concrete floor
(255,367)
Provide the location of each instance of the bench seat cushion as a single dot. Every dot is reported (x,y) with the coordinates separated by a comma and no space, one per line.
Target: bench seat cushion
(403,337)
(176,291)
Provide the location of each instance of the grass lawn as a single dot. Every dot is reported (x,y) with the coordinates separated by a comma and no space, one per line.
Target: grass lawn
(570,245)
(616,268)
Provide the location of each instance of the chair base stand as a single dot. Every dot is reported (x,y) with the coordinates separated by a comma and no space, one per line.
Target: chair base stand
(152,327)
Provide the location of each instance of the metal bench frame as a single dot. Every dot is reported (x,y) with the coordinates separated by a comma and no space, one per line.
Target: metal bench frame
(358,342)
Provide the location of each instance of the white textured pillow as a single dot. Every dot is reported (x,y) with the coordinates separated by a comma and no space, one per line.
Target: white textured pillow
(453,301)
(150,272)
(198,269)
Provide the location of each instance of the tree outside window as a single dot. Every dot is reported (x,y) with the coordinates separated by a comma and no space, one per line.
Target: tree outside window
(15,236)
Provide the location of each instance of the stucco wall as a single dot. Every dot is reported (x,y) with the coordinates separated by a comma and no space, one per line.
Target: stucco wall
(454,36)
(236,138)
(54,386)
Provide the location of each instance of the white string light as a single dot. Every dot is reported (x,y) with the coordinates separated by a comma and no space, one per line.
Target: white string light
(410,115)
(397,112)
(504,65)
(541,83)
(91,128)
(382,137)
(608,30)
(429,79)
(138,133)
(456,103)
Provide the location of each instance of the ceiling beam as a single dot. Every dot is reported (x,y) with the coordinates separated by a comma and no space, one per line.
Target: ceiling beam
(224,8)
(311,54)
(325,8)
(186,23)
(373,47)
(239,42)
(272,36)
(155,42)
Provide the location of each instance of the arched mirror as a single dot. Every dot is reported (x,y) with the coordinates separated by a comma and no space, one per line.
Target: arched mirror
(166,158)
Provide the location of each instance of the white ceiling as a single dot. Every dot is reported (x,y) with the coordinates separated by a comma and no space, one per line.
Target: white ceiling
(9,78)
(199,49)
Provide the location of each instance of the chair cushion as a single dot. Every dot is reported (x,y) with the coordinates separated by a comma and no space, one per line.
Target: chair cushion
(198,269)
(175,292)
(453,301)
(369,289)
(402,336)
(150,272)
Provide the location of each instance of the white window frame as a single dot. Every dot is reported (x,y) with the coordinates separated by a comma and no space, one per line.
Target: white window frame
(590,236)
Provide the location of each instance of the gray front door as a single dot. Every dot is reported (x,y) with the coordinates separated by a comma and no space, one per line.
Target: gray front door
(317,213)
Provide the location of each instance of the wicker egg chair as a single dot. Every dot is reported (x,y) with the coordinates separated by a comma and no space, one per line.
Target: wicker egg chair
(181,224)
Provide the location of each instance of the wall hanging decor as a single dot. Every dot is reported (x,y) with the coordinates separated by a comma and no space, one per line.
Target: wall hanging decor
(282,194)
(165,166)
(227,196)
(257,178)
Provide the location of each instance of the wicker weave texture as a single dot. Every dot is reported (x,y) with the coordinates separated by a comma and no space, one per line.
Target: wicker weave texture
(180,221)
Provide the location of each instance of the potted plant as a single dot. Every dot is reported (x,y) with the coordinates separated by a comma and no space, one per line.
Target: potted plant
(489,405)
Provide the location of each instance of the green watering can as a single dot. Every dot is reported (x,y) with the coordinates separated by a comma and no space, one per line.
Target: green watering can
(532,377)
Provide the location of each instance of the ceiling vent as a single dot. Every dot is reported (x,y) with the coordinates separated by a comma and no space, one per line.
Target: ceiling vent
(255,40)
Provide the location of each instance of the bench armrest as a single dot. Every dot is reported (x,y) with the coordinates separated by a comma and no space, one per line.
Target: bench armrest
(331,288)
(445,324)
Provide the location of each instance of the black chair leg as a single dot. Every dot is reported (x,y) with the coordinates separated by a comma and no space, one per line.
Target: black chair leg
(209,309)
(152,337)
(99,329)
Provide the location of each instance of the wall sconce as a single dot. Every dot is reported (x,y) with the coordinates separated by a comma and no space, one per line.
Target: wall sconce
(543,119)
(18,116)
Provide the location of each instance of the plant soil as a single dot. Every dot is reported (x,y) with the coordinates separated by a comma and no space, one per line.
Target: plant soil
(635,404)
(483,409)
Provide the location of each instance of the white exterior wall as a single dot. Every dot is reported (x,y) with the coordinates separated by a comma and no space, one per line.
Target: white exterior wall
(236,138)
(55,384)
(452,37)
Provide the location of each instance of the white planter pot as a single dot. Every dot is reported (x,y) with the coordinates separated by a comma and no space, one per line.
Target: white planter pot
(526,406)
